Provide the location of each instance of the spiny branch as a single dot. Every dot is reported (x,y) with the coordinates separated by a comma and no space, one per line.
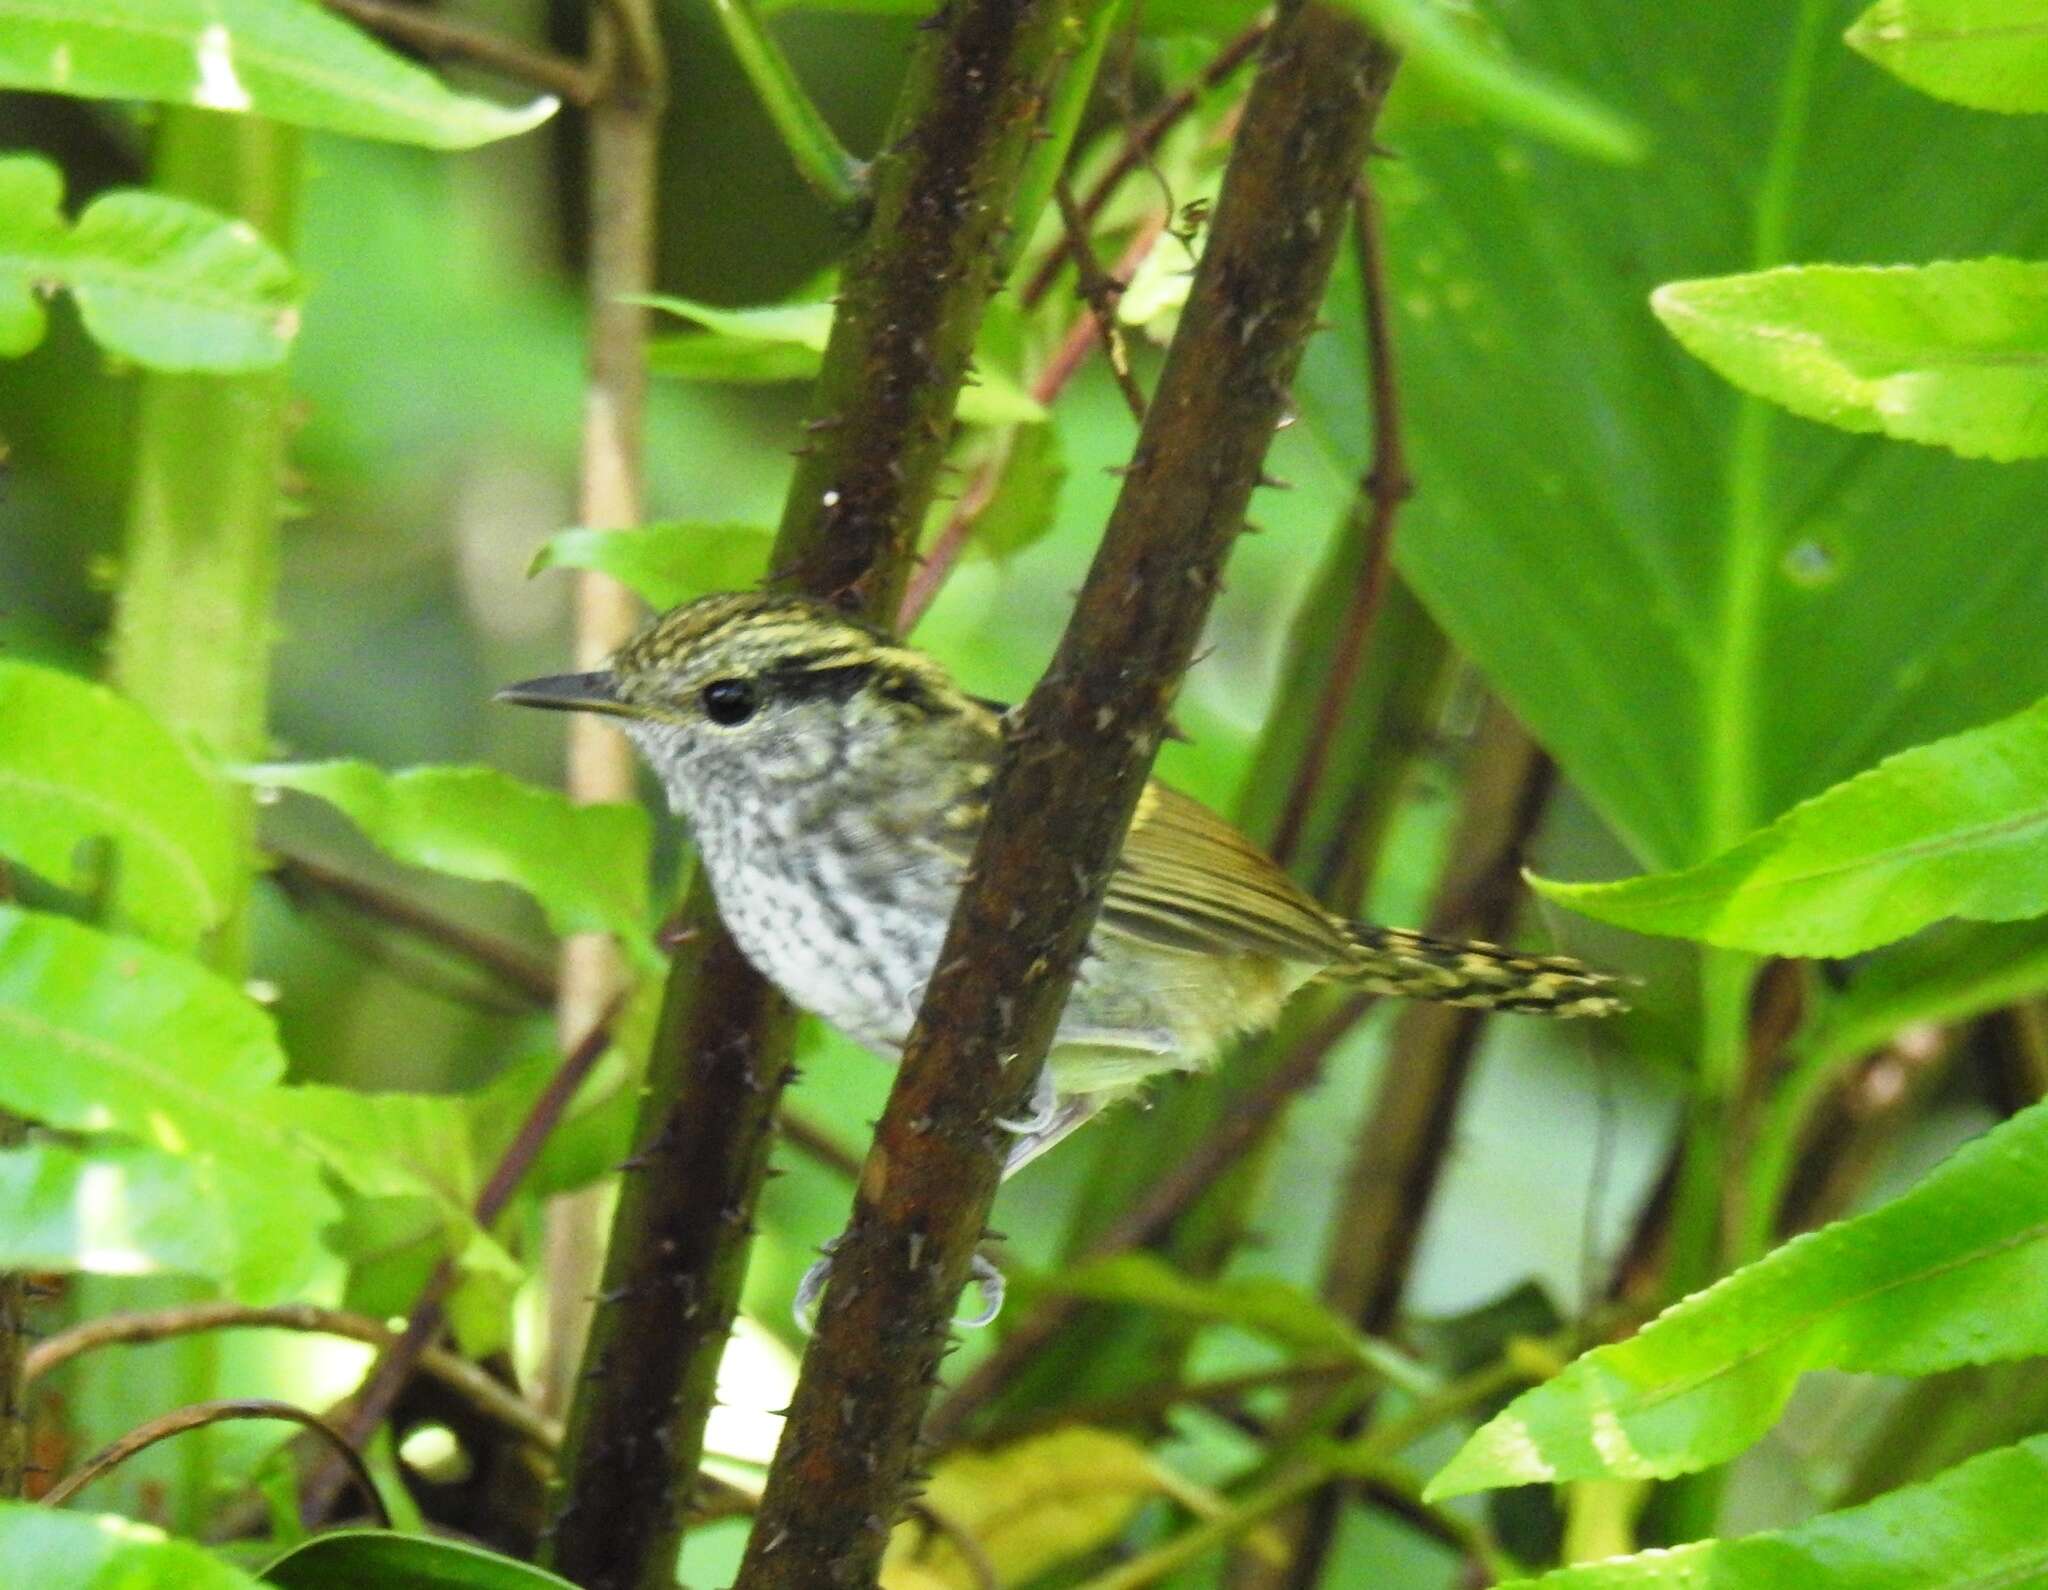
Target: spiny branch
(1075,760)
(912,300)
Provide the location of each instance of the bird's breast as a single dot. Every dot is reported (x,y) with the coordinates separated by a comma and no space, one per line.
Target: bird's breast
(843,919)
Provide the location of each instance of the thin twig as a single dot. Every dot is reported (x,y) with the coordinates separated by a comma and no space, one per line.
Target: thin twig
(1220,1394)
(394,1366)
(1387,485)
(433,35)
(1075,759)
(300,877)
(913,295)
(1141,145)
(199,1414)
(961,1539)
(490,1398)
(1100,291)
(1067,359)
(532,978)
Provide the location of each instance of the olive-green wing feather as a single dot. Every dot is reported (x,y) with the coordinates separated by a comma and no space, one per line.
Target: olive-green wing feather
(1188,880)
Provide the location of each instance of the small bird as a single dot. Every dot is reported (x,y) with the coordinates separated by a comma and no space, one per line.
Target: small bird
(835,780)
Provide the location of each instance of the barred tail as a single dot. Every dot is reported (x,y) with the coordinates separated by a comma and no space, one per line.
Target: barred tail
(1416,966)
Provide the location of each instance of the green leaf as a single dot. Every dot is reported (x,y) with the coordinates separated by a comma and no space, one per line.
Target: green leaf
(1705,608)
(388,1144)
(1026,507)
(1956,828)
(103,1034)
(169,284)
(1954,354)
(122,1208)
(667,563)
(347,1559)
(1030,1506)
(1463,65)
(77,763)
(289,60)
(1925,1283)
(797,325)
(786,342)
(1978,1525)
(730,360)
(1990,54)
(585,865)
(55,1550)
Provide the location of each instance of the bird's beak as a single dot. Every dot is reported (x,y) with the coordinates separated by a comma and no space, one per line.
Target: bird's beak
(595,692)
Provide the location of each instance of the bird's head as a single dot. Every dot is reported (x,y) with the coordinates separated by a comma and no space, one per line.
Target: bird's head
(746,693)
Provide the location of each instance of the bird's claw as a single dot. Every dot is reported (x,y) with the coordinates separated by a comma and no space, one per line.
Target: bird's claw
(1045,1109)
(811,1289)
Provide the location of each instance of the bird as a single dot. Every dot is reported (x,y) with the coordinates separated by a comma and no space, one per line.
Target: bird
(835,779)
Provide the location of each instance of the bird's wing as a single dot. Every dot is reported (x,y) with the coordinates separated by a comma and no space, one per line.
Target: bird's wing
(1188,880)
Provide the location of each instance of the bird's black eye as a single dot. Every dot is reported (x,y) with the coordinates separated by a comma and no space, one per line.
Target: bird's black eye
(729,701)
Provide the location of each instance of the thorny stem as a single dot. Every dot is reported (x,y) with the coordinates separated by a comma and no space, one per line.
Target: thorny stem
(201,1414)
(433,35)
(1100,291)
(1149,1218)
(490,1398)
(913,296)
(1073,348)
(1386,486)
(527,975)
(1075,759)
(1390,720)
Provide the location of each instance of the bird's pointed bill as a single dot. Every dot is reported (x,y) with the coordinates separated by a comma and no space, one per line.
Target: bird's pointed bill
(592,692)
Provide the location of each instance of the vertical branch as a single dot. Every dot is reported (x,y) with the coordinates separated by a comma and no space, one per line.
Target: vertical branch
(192,619)
(193,625)
(1386,486)
(1075,760)
(913,297)
(1399,1157)
(622,154)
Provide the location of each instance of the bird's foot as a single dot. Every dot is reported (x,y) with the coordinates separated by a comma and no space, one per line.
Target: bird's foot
(1045,1109)
(811,1290)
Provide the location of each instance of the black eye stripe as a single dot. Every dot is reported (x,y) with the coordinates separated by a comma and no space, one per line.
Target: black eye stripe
(840,684)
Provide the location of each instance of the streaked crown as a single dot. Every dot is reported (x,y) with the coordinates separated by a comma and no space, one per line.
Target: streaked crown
(769,688)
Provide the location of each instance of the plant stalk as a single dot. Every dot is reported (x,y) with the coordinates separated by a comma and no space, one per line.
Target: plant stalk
(1075,760)
(912,301)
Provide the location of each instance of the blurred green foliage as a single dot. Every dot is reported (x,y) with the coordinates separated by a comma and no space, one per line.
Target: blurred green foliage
(1705,608)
